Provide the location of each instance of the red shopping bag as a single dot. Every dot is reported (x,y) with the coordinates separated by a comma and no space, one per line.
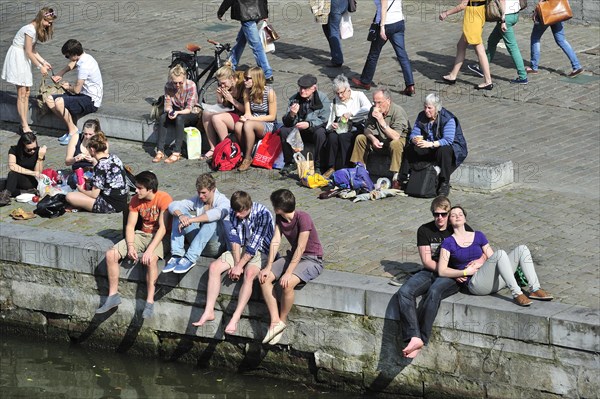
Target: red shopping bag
(267,152)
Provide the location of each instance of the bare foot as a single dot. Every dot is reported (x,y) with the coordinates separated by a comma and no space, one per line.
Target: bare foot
(205,317)
(413,354)
(231,327)
(415,344)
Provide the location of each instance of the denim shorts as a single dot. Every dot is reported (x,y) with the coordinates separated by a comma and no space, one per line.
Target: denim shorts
(77,104)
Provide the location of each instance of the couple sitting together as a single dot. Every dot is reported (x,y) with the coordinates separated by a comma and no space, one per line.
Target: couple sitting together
(212,223)
(454,257)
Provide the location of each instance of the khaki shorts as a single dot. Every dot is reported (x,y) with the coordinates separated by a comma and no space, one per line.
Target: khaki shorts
(140,242)
(257,260)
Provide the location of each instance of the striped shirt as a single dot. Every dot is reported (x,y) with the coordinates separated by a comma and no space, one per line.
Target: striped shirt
(255,232)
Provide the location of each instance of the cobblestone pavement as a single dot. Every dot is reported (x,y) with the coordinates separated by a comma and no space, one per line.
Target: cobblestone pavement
(552,207)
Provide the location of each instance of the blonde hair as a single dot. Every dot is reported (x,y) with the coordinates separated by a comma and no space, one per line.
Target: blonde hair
(255,94)
(177,70)
(44,33)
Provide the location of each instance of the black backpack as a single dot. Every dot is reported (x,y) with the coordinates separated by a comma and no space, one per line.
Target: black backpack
(423,181)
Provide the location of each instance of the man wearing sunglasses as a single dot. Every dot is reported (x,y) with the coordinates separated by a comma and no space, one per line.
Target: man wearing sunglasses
(416,325)
(82,98)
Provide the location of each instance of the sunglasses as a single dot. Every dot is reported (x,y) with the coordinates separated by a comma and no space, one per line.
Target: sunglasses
(50,13)
(30,150)
(437,214)
(247,78)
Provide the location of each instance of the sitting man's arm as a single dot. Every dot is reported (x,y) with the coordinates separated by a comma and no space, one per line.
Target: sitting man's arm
(157,239)
(426,260)
(132,219)
(321,116)
(398,126)
(300,248)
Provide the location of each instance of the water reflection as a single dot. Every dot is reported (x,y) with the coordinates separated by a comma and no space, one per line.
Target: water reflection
(36,369)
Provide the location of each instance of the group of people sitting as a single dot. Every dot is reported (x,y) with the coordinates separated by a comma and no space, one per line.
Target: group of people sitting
(241,235)
(344,131)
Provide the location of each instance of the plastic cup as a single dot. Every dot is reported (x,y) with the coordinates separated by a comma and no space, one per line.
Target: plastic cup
(418,138)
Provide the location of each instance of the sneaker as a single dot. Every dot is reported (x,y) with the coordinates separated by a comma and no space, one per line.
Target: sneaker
(272,333)
(475,69)
(171,264)
(148,310)
(111,302)
(519,81)
(183,266)
(541,295)
(64,139)
(397,280)
(270,79)
(575,72)
(522,300)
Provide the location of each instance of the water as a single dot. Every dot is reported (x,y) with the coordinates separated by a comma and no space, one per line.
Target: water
(36,369)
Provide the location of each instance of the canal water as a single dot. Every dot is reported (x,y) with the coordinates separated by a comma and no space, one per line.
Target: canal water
(35,369)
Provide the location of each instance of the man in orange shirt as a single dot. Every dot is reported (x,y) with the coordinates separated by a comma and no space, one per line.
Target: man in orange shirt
(149,205)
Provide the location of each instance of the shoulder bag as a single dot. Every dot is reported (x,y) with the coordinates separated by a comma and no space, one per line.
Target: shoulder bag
(551,12)
(374,28)
(493,11)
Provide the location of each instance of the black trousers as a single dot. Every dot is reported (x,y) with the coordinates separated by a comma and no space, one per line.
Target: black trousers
(15,182)
(178,124)
(338,149)
(312,135)
(441,156)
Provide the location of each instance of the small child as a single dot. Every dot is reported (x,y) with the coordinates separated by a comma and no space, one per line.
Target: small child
(301,264)
(151,206)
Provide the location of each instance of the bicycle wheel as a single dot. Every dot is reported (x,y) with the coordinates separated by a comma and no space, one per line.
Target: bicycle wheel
(208,92)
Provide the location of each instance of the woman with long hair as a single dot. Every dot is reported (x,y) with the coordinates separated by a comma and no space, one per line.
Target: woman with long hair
(462,258)
(230,94)
(25,164)
(78,155)
(22,54)
(109,189)
(260,113)
(180,98)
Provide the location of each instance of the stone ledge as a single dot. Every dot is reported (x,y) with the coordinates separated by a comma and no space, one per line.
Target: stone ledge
(544,323)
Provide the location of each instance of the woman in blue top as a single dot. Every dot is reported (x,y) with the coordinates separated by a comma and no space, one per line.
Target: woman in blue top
(468,257)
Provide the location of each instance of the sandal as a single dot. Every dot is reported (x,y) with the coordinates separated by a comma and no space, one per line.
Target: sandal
(208,156)
(176,156)
(158,157)
(20,214)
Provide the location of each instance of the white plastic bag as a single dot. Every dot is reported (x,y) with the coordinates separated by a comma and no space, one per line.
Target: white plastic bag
(194,142)
(295,140)
(346,28)
(269,47)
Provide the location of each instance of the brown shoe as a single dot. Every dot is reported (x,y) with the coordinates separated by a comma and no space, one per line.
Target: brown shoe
(541,295)
(245,165)
(522,300)
(328,173)
(409,91)
(356,82)
(575,73)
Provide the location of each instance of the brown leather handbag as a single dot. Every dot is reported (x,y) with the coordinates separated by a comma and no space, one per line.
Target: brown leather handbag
(553,11)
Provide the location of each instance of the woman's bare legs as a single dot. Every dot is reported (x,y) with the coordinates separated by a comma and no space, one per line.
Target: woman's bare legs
(484,64)
(461,50)
(23,106)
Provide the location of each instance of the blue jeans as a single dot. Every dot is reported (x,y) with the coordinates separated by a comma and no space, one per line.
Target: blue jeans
(395,34)
(249,33)
(332,30)
(204,240)
(559,38)
(434,289)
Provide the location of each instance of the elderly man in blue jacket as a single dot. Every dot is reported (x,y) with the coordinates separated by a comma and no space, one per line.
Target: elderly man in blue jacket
(308,111)
(248,12)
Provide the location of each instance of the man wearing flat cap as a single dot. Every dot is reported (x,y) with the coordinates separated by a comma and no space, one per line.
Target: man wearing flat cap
(308,110)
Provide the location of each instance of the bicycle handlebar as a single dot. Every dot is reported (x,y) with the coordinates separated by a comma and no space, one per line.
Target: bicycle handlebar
(213,42)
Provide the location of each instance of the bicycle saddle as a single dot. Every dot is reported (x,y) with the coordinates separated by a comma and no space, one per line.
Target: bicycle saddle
(193,47)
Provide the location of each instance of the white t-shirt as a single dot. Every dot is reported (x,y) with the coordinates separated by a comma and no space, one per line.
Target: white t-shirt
(89,71)
(511,6)
(394,14)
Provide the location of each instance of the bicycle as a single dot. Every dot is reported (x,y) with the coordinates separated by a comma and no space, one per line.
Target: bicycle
(207,92)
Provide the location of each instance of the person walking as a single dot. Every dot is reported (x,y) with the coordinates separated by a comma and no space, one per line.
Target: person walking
(391,21)
(504,30)
(332,31)
(559,37)
(248,12)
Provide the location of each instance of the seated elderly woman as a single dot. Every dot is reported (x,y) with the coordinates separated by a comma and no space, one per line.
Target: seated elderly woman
(229,95)
(25,164)
(78,155)
(468,257)
(108,193)
(437,137)
(349,110)
(181,96)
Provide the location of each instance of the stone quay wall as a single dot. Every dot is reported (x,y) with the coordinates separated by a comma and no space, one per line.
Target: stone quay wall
(343,331)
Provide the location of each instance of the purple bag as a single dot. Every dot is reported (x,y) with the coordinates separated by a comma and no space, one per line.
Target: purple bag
(356,178)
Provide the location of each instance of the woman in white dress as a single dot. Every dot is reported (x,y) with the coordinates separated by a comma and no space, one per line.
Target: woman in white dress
(22,54)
